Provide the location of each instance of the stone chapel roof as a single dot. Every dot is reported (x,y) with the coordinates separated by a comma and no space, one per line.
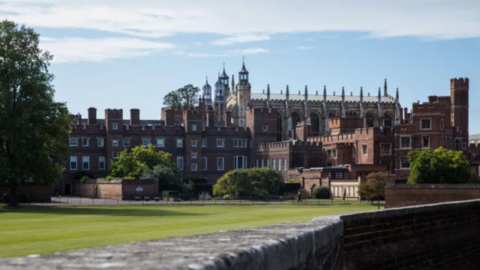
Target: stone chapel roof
(383,99)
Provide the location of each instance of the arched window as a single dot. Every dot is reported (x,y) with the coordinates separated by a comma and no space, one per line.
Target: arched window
(279,127)
(369,120)
(295,119)
(315,124)
(387,120)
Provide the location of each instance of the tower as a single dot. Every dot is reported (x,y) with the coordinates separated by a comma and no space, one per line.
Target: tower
(207,93)
(225,79)
(459,118)
(243,92)
(219,102)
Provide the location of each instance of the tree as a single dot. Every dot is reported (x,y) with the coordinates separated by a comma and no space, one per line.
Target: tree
(179,97)
(132,164)
(321,193)
(249,182)
(34,129)
(374,188)
(440,166)
(165,175)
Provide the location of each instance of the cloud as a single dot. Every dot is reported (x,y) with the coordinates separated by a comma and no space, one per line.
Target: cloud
(248,51)
(426,19)
(306,48)
(245,38)
(74,49)
(193,54)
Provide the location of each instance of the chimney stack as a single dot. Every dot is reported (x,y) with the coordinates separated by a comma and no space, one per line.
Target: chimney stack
(92,116)
(228,119)
(79,119)
(210,118)
(134,117)
(170,117)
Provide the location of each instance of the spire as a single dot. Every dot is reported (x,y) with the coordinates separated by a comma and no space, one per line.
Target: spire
(397,95)
(343,94)
(379,94)
(243,74)
(287,92)
(306,92)
(361,94)
(233,83)
(268,91)
(385,88)
(324,93)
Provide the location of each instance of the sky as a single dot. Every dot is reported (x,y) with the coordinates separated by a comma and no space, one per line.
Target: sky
(129,54)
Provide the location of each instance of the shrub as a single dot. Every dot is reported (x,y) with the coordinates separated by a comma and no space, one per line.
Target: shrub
(249,182)
(204,196)
(321,193)
(84,179)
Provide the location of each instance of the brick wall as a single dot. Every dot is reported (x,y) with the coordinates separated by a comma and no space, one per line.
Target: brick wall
(407,195)
(440,236)
(115,189)
(37,193)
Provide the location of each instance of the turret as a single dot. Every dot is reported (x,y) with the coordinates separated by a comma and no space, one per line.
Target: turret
(306,93)
(361,94)
(343,94)
(207,93)
(224,80)
(287,94)
(385,88)
(379,94)
(268,92)
(324,93)
(397,97)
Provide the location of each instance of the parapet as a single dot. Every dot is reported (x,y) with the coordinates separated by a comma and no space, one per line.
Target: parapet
(113,114)
(460,83)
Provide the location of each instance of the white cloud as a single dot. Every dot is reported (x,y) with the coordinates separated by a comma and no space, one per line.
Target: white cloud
(73,49)
(193,54)
(304,48)
(431,19)
(244,38)
(249,51)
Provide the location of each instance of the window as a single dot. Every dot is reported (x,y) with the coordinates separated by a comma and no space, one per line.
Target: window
(73,141)
(146,142)
(179,143)
(160,143)
(404,163)
(425,124)
(279,164)
(364,149)
(85,163)
(464,145)
(101,163)
(194,143)
(425,141)
(257,163)
(442,124)
(220,164)
(285,165)
(194,167)
(126,142)
(338,175)
(268,163)
(180,163)
(334,153)
(115,155)
(240,143)
(204,142)
(385,149)
(265,128)
(194,154)
(274,164)
(263,163)
(204,163)
(115,143)
(100,142)
(194,128)
(115,126)
(240,162)
(220,143)
(73,163)
(85,141)
(457,145)
(405,142)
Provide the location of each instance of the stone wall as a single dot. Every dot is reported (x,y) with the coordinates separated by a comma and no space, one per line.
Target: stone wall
(407,195)
(439,236)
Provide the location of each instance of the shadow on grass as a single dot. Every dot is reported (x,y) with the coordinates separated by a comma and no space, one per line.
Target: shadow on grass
(133,211)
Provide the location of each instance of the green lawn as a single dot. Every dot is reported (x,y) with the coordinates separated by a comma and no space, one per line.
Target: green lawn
(38,230)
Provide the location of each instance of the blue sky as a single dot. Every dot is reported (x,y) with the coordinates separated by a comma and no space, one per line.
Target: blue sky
(129,54)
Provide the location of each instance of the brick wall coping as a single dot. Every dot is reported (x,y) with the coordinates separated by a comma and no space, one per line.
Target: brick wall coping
(118,181)
(283,246)
(402,211)
(434,186)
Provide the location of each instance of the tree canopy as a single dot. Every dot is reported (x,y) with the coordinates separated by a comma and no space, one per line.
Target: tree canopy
(253,181)
(440,166)
(132,164)
(34,128)
(179,96)
(374,187)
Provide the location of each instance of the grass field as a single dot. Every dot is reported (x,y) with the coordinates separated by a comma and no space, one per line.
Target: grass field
(40,230)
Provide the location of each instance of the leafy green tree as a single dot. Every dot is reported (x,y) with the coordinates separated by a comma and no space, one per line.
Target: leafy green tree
(321,193)
(249,182)
(374,188)
(179,96)
(34,129)
(164,174)
(132,164)
(188,187)
(440,166)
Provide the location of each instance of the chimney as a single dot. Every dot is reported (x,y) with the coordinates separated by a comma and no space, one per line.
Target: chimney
(170,117)
(79,119)
(210,118)
(401,115)
(228,119)
(407,117)
(134,117)
(92,116)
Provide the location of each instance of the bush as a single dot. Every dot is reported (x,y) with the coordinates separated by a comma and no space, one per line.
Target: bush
(165,175)
(204,196)
(196,181)
(84,179)
(291,188)
(321,193)
(253,181)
